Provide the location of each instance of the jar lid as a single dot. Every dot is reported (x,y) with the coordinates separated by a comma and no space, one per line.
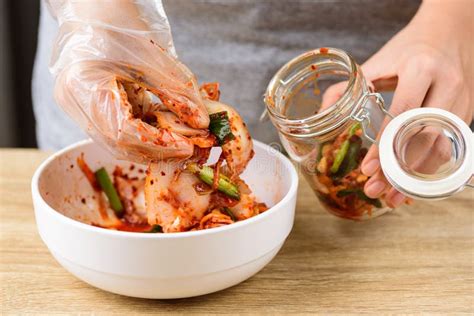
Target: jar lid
(427,153)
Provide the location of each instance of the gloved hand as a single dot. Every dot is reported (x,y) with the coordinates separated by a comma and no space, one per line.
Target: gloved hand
(106,55)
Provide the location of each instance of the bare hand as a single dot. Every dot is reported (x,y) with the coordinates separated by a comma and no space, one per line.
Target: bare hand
(428,64)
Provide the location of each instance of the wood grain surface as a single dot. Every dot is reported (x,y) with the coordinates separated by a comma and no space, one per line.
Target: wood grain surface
(416,259)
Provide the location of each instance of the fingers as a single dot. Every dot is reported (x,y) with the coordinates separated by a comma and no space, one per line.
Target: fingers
(434,157)
(332,94)
(394,199)
(377,67)
(376,185)
(450,92)
(406,96)
(100,104)
(424,154)
(385,84)
(371,165)
(131,138)
(143,143)
(174,85)
(410,93)
(411,90)
(428,148)
(171,122)
(138,140)
(416,148)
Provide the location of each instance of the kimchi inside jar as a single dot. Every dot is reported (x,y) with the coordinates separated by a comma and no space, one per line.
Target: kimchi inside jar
(325,135)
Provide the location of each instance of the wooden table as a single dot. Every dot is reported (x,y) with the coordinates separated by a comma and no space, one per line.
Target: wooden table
(417,259)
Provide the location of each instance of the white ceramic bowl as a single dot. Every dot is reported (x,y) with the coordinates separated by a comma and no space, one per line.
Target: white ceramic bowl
(160,265)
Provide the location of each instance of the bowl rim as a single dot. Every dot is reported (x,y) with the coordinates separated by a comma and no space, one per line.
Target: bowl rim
(122,234)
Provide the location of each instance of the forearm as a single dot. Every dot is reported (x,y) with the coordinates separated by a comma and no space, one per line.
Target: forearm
(119,13)
(458,10)
(124,14)
(452,24)
(454,18)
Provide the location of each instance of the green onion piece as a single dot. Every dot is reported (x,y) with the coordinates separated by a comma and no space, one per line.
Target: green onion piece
(229,213)
(219,125)
(354,129)
(107,186)
(346,192)
(341,154)
(350,162)
(224,184)
(361,195)
(155,229)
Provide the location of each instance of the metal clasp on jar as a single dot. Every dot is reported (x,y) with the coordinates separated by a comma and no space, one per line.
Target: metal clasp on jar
(363,115)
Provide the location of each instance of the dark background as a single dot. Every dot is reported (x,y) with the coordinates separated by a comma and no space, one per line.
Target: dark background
(18,28)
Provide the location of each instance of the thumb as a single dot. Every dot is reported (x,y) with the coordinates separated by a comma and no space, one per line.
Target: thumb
(332,94)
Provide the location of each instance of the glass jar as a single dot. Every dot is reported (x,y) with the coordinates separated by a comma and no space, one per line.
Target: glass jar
(329,138)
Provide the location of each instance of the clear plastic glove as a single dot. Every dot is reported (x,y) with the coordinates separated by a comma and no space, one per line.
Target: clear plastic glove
(104,50)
